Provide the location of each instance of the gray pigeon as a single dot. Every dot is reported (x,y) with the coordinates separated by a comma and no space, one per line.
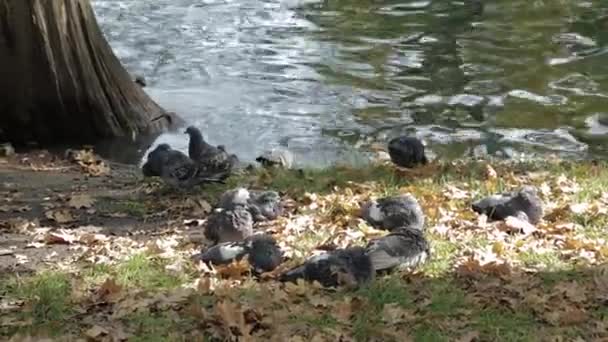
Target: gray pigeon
(264,255)
(175,168)
(209,158)
(350,267)
(229,225)
(276,157)
(403,248)
(263,205)
(523,203)
(393,212)
(407,152)
(154,163)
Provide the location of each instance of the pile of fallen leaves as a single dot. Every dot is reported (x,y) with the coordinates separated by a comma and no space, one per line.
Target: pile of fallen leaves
(227,303)
(89,162)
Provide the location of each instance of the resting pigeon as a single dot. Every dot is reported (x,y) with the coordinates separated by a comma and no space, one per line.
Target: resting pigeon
(263,205)
(403,248)
(394,212)
(229,225)
(523,203)
(276,157)
(264,255)
(407,152)
(209,158)
(175,168)
(350,267)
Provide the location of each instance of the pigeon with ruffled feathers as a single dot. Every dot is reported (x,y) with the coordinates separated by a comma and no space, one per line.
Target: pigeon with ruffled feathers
(394,212)
(349,267)
(229,225)
(208,157)
(263,205)
(407,152)
(175,168)
(403,248)
(523,203)
(264,255)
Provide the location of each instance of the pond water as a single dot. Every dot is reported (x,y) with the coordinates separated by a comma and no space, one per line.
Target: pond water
(328,79)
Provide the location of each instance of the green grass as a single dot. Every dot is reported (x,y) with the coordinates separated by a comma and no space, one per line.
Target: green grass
(147,273)
(442,257)
(133,208)
(447,299)
(158,327)
(548,260)
(47,300)
(505,326)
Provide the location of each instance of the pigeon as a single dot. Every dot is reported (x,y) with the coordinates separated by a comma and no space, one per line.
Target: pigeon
(403,248)
(394,212)
(175,168)
(229,225)
(264,255)
(234,198)
(523,203)
(350,267)
(407,152)
(263,205)
(209,158)
(153,166)
(276,158)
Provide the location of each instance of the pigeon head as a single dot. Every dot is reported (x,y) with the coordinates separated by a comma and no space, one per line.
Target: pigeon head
(163,147)
(193,132)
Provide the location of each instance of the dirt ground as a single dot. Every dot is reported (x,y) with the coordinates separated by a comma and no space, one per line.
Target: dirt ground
(41,189)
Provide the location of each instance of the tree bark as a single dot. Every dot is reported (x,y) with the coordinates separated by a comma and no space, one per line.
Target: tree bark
(60,82)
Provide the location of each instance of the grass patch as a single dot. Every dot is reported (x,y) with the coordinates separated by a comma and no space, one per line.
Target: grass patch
(442,257)
(157,327)
(548,260)
(132,208)
(383,291)
(48,302)
(447,299)
(147,273)
(496,325)
(428,333)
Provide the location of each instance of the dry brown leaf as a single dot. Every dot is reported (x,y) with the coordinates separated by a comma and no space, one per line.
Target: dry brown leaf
(81,201)
(110,291)
(469,337)
(234,270)
(231,316)
(490,173)
(515,224)
(96,332)
(61,236)
(59,215)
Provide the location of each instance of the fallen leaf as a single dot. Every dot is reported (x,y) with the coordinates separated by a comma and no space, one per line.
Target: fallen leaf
(232,316)
(515,224)
(61,236)
(81,201)
(469,337)
(60,215)
(96,332)
(110,290)
(490,173)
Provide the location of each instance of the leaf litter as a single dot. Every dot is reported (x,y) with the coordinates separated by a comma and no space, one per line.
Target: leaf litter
(496,265)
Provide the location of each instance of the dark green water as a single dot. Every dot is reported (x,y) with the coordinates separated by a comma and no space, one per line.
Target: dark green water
(327,79)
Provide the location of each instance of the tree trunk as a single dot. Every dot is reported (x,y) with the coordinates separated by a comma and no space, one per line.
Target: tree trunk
(60,81)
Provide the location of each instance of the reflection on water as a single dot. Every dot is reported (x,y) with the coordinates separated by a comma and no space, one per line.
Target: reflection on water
(329,78)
